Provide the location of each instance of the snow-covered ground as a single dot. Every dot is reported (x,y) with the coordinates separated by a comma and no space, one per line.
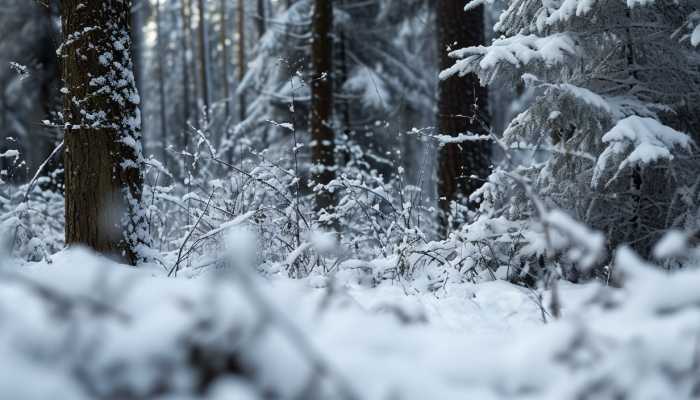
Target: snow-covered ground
(83,327)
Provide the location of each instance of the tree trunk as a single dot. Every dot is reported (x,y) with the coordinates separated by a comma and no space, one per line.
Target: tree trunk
(225,59)
(4,162)
(261,21)
(242,107)
(204,55)
(341,77)
(161,83)
(185,42)
(322,135)
(462,108)
(103,160)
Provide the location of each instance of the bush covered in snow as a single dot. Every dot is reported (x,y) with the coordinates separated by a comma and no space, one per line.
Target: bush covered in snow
(83,327)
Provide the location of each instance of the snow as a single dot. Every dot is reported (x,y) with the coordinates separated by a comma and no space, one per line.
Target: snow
(587,96)
(644,140)
(518,51)
(695,36)
(673,244)
(460,138)
(483,341)
(567,9)
(586,246)
(10,154)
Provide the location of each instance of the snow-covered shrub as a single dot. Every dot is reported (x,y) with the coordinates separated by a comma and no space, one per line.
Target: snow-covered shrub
(85,328)
(376,217)
(31,217)
(610,138)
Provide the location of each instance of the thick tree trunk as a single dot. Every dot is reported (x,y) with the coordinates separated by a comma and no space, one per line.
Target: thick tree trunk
(103,159)
(322,135)
(242,107)
(462,108)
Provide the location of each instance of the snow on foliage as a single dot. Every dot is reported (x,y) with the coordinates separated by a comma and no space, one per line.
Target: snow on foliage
(88,328)
(643,140)
(518,51)
(608,105)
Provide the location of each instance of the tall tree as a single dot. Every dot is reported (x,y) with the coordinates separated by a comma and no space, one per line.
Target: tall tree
(225,58)
(322,135)
(462,109)
(185,39)
(644,78)
(204,54)
(160,54)
(261,19)
(103,174)
(242,107)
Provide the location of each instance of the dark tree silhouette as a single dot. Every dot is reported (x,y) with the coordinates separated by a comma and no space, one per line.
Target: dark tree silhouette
(322,135)
(462,108)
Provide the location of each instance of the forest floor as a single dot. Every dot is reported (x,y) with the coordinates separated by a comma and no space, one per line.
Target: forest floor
(484,341)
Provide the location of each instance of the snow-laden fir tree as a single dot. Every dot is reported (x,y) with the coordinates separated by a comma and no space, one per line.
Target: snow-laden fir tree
(610,137)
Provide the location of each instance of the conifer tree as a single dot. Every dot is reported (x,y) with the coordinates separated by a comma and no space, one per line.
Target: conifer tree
(611,129)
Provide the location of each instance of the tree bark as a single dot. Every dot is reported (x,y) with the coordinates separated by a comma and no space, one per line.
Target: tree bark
(204,55)
(462,108)
(225,59)
(185,42)
(261,21)
(322,135)
(242,107)
(161,83)
(103,178)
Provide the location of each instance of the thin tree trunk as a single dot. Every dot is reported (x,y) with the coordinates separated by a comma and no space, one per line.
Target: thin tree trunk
(204,55)
(341,78)
(242,107)
(322,135)
(225,58)
(462,108)
(3,127)
(261,20)
(103,177)
(185,42)
(161,82)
